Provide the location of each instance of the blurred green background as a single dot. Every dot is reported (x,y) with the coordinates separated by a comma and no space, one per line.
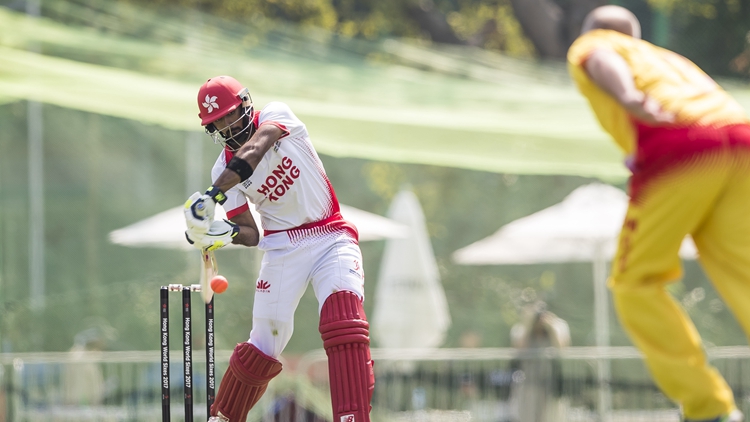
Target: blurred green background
(484,127)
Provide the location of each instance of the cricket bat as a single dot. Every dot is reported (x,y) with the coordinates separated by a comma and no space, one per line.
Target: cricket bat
(209,269)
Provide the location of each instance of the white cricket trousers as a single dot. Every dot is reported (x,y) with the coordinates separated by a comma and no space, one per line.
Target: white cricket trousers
(328,258)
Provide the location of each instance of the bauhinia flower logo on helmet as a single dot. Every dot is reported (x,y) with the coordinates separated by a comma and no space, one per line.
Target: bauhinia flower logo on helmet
(232,96)
(210,103)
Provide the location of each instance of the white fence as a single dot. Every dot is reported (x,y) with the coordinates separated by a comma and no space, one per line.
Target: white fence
(580,384)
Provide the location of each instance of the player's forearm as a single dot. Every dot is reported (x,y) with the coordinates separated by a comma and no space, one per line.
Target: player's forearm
(248,236)
(238,170)
(247,158)
(612,74)
(227,180)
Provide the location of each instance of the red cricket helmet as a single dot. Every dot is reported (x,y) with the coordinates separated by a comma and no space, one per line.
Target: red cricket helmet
(218,97)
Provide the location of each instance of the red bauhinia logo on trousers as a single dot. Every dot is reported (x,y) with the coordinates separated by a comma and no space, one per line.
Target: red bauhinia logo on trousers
(347,418)
(263,286)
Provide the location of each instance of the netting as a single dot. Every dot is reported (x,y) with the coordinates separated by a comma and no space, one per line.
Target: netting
(387,100)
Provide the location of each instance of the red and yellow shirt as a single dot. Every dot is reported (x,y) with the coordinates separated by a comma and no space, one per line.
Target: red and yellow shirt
(675,82)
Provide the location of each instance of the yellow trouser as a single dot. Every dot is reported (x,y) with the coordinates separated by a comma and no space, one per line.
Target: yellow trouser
(709,198)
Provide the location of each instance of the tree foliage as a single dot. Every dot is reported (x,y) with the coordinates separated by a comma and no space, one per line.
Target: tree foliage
(716,33)
(487,24)
(713,33)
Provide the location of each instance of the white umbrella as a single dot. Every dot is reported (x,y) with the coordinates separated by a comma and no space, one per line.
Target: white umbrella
(584,227)
(167,229)
(410,308)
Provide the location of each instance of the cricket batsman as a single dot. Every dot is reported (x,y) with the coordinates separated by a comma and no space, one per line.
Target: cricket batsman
(269,161)
(688,146)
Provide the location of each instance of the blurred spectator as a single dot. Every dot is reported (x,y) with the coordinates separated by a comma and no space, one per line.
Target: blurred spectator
(470,340)
(537,376)
(741,63)
(468,387)
(83,381)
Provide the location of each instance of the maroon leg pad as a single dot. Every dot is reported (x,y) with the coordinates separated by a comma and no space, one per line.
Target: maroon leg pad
(244,382)
(346,339)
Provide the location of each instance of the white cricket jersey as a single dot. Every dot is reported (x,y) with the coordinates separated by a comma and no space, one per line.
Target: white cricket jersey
(289,187)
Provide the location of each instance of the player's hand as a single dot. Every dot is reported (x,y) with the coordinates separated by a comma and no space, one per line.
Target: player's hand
(199,212)
(649,111)
(219,234)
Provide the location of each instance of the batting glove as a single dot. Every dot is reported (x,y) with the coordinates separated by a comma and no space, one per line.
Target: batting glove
(199,208)
(199,212)
(219,234)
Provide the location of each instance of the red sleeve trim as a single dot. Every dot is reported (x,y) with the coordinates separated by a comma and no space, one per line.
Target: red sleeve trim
(278,125)
(237,211)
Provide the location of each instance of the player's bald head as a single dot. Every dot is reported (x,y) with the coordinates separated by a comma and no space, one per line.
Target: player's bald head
(615,18)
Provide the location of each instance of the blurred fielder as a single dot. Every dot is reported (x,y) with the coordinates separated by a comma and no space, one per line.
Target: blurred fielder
(269,161)
(688,147)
